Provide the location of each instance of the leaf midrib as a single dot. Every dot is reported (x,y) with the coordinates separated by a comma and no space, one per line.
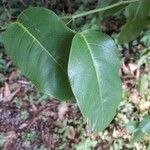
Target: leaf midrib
(43,48)
(92,57)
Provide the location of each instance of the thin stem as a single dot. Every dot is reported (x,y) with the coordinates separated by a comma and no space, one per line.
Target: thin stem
(69,21)
(99,9)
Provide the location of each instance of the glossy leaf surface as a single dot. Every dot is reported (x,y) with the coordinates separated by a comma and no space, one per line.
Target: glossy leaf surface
(137,21)
(93,73)
(39,44)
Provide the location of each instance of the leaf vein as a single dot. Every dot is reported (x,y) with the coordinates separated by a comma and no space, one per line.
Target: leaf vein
(43,48)
(100,92)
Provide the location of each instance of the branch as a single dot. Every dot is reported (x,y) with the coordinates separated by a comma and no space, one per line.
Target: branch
(98,9)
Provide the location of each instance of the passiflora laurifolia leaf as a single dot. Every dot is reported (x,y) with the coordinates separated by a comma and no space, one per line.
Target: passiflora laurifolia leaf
(93,71)
(39,44)
(137,21)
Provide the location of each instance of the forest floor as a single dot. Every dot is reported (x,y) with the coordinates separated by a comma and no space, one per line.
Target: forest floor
(30,120)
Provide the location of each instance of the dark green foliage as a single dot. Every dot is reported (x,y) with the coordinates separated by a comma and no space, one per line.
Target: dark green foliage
(137,21)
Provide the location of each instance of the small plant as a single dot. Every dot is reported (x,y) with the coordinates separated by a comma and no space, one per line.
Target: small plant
(24,115)
(139,128)
(66,64)
(28,137)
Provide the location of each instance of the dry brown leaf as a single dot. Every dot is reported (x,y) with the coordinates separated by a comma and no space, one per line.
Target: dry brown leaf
(49,113)
(14,86)
(23,82)
(71,133)
(140,47)
(132,68)
(23,125)
(90,133)
(34,108)
(8,95)
(144,105)
(127,53)
(62,111)
(7,91)
(9,139)
(10,136)
(137,74)
(14,75)
(124,68)
(134,96)
(1,93)
(11,96)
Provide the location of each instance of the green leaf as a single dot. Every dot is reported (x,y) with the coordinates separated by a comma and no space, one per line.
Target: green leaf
(137,136)
(143,127)
(39,44)
(137,21)
(146,38)
(105,3)
(143,84)
(132,126)
(93,72)
(144,57)
(139,128)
